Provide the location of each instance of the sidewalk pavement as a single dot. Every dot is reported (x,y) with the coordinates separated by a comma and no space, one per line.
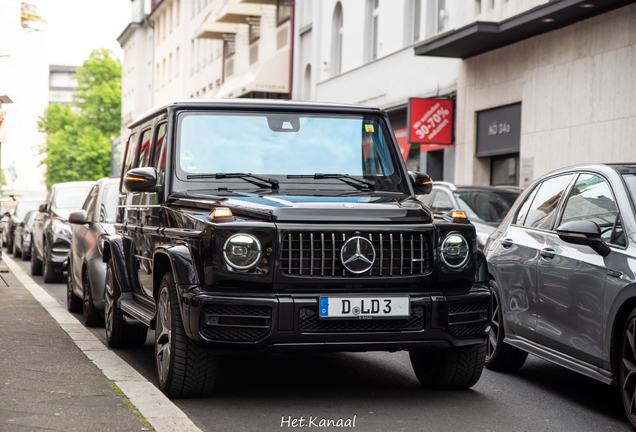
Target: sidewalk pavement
(46,381)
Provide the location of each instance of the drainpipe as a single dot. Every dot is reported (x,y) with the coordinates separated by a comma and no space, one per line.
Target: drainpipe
(291,46)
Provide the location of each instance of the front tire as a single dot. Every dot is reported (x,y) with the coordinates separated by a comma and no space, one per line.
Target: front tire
(499,355)
(456,368)
(16,252)
(26,254)
(47,269)
(91,315)
(119,334)
(184,370)
(628,369)
(36,264)
(73,302)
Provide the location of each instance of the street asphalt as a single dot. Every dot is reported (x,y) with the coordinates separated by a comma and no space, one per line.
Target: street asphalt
(379,390)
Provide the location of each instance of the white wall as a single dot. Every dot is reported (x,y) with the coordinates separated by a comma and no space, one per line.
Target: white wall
(577,88)
(24,77)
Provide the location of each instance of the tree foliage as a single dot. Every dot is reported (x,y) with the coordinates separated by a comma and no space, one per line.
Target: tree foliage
(78,138)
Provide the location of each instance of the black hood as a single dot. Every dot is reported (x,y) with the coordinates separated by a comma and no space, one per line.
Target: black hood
(368,208)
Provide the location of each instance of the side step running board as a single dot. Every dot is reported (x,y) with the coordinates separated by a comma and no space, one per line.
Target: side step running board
(138,310)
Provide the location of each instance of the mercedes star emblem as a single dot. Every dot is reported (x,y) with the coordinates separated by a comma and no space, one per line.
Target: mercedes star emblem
(357,255)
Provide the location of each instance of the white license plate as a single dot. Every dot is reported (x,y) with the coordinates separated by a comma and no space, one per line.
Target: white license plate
(364,307)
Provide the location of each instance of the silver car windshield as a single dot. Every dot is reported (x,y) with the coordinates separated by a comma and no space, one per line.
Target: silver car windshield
(109,203)
(72,197)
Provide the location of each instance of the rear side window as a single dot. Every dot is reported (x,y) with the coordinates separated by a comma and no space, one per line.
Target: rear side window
(160,152)
(591,198)
(542,211)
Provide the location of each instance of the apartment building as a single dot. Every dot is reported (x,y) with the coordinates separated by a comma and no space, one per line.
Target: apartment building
(62,85)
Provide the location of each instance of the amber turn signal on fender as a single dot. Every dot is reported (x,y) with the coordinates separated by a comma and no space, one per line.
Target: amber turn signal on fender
(459,214)
(221,212)
(456,216)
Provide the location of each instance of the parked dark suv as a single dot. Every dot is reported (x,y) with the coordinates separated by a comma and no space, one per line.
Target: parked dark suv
(275,226)
(562,272)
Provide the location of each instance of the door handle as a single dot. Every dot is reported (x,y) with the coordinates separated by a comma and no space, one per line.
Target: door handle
(506,243)
(547,253)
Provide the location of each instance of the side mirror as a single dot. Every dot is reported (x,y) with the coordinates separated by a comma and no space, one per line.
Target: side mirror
(78,217)
(43,208)
(141,180)
(585,232)
(422,183)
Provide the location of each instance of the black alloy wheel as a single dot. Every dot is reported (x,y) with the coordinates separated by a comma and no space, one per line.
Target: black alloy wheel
(499,355)
(184,369)
(91,315)
(26,254)
(628,369)
(50,276)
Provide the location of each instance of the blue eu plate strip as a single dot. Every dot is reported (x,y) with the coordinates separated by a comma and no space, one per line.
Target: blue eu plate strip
(324,306)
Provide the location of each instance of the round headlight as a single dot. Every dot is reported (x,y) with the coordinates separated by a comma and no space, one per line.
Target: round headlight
(455,250)
(242,251)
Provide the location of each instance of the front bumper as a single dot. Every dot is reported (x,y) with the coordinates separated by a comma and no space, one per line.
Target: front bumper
(290,323)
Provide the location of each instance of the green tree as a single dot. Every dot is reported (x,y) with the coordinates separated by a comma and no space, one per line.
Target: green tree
(98,94)
(77,143)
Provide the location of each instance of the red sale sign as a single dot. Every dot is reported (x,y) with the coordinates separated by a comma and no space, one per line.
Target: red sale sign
(430,121)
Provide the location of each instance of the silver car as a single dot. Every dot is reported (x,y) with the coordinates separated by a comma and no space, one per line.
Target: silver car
(86,270)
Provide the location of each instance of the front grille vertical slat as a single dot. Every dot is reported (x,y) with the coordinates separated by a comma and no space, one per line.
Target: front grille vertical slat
(333,254)
(298,258)
(401,254)
(391,248)
(381,254)
(422,253)
(412,253)
(311,254)
(322,256)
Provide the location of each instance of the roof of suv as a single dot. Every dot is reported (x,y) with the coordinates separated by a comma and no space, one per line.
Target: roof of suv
(261,104)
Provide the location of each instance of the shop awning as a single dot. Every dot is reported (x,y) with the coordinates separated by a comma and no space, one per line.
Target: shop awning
(238,13)
(271,76)
(480,37)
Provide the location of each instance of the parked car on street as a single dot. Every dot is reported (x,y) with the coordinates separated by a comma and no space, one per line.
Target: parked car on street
(22,236)
(562,275)
(86,267)
(486,206)
(16,215)
(51,231)
(237,231)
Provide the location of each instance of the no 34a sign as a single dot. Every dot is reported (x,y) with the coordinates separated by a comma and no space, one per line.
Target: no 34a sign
(430,121)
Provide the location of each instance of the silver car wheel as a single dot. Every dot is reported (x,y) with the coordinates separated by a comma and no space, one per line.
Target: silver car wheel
(163,340)
(108,303)
(493,334)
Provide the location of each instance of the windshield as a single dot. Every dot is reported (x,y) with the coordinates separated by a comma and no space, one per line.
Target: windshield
(285,144)
(72,197)
(109,203)
(23,207)
(30,217)
(489,206)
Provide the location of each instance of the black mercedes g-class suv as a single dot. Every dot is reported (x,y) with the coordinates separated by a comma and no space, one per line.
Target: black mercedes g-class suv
(279,226)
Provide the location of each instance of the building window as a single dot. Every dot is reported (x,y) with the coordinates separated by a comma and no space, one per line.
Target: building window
(163,73)
(176,63)
(230,47)
(336,40)
(492,4)
(442,16)
(192,57)
(417,16)
(158,29)
(375,29)
(477,7)
(157,78)
(504,170)
(170,68)
(307,83)
(169,18)
(283,11)
(177,12)
(254,29)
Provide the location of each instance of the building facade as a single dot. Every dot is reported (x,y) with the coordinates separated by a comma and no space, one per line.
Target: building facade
(62,85)
(555,87)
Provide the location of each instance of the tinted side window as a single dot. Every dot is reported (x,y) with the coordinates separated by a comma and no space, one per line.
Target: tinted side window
(145,149)
(91,202)
(441,203)
(131,151)
(160,152)
(544,205)
(591,198)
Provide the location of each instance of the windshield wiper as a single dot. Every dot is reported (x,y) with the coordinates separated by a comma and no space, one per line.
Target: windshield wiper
(360,184)
(256,180)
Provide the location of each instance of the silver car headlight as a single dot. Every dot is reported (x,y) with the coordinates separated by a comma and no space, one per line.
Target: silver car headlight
(242,251)
(455,250)
(61,229)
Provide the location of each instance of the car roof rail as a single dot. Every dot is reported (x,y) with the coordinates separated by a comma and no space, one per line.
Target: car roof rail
(449,185)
